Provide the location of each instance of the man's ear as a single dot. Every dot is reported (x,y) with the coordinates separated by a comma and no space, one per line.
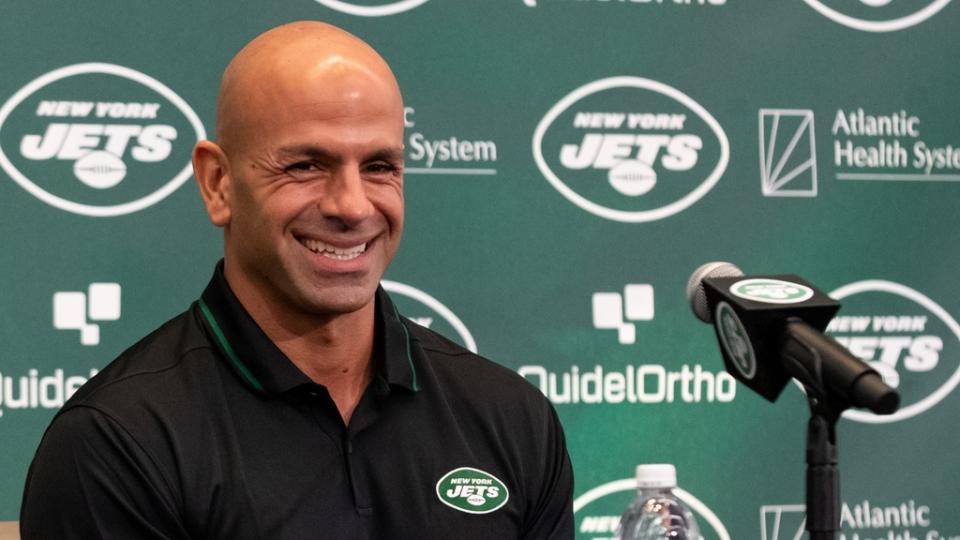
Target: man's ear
(212,170)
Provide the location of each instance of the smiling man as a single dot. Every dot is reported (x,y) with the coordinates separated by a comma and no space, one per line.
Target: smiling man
(292,400)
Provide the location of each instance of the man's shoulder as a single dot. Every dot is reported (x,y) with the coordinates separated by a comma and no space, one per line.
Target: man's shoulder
(150,367)
(471,375)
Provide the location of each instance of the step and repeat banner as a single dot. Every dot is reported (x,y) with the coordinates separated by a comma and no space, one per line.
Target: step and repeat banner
(569,164)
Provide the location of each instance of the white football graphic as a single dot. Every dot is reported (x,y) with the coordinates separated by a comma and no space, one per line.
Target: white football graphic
(476,500)
(632,178)
(100,169)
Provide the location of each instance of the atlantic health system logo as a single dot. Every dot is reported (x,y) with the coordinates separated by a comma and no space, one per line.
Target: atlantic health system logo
(98,139)
(866,146)
(630,149)
(878,15)
(905,519)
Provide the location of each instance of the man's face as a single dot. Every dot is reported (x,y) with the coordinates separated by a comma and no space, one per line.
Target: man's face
(316,209)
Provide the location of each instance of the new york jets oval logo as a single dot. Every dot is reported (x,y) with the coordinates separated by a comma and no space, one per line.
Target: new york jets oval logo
(372,8)
(472,491)
(98,139)
(910,339)
(734,339)
(771,291)
(630,149)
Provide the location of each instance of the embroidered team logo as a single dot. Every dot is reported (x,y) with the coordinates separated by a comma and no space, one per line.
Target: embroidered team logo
(472,491)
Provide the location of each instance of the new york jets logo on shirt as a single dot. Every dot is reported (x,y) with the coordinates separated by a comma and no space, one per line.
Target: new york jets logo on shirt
(472,491)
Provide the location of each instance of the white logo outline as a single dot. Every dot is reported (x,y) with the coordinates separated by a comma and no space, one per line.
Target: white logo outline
(107,69)
(779,510)
(879,26)
(622,215)
(879,285)
(436,305)
(372,11)
(77,310)
(771,181)
(615,311)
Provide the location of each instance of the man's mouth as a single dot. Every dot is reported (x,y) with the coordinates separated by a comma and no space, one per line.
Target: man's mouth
(334,252)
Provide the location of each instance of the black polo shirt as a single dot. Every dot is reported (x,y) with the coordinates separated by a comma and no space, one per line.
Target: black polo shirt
(204,429)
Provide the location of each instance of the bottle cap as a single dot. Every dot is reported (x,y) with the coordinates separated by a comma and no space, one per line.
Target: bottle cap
(660,475)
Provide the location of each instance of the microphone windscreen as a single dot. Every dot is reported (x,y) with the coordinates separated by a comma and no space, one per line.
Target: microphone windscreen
(695,294)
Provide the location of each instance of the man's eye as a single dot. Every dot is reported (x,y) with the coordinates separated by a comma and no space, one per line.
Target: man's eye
(382,168)
(302,166)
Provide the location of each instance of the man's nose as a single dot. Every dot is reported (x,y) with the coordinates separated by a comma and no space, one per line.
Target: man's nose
(344,197)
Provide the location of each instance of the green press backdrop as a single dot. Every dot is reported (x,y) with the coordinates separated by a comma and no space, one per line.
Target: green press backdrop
(569,164)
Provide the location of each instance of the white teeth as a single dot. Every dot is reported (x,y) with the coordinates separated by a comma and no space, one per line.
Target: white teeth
(333,252)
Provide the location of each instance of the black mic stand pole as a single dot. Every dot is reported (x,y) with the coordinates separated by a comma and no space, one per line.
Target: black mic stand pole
(823,472)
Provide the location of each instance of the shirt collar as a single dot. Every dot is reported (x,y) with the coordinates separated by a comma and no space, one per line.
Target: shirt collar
(264,367)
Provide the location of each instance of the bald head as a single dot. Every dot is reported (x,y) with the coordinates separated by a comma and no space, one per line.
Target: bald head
(301,64)
(306,175)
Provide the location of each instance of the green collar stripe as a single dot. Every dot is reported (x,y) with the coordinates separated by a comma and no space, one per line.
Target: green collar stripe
(229,350)
(413,370)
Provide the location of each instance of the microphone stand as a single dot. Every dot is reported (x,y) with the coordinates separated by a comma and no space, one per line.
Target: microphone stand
(823,473)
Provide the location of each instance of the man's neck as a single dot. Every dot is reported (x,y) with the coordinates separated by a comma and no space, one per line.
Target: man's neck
(335,351)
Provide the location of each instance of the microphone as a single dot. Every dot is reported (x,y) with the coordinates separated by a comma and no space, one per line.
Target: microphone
(770,329)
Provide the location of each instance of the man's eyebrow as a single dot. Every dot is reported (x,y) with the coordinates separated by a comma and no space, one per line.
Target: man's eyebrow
(305,151)
(321,154)
(387,154)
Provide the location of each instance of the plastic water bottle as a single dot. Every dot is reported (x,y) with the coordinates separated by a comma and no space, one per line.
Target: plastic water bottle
(657,513)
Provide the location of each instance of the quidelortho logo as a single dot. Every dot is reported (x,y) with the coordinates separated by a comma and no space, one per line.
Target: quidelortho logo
(878,15)
(429,312)
(906,336)
(630,149)
(446,154)
(734,339)
(610,309)
(788,153)
(372,8)
(646,383)
(98,139)
(76,310)
(534,3)
(472,491)
(597,512)
(865,520)
(34,391)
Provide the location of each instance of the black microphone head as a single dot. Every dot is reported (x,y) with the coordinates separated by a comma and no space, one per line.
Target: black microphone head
(695,293)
